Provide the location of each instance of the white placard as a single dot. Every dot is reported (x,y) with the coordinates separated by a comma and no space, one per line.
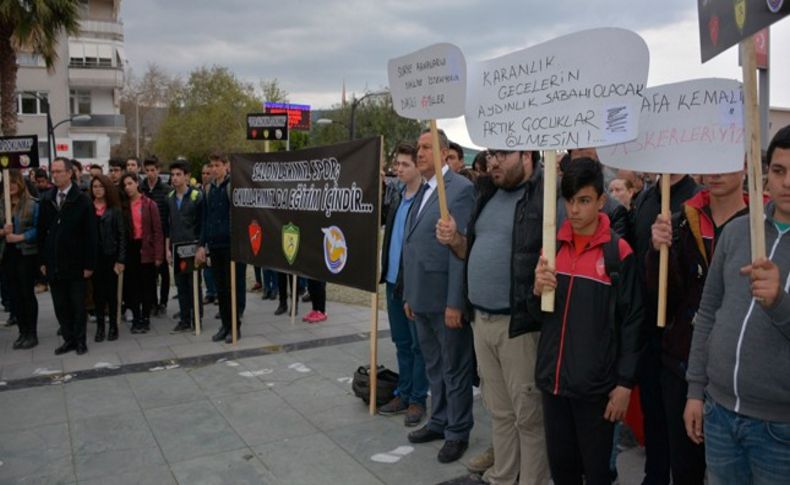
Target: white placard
(580,90)
(429,84)
(687,127)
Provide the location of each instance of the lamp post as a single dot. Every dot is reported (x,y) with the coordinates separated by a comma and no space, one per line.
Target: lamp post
(83,117)
(354,104)
(50,128)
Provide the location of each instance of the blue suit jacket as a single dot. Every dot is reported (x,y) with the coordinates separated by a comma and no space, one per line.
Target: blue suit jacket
(433,277)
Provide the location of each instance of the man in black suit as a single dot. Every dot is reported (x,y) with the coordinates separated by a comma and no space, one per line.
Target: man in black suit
(67,246)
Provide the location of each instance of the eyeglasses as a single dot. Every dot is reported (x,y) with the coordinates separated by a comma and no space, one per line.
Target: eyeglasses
(498,154)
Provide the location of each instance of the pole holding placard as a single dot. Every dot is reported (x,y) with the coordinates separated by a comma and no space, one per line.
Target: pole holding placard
(196,300)
(7,194)
(753,156)
(374,310)
(234,328)
(663,255)
(119,306)
(549,222)
(437,166)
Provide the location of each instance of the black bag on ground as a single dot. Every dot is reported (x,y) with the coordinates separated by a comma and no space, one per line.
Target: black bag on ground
(386,384)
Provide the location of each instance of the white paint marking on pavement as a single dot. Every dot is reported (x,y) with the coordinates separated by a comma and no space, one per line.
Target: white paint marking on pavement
(3,383)
(156,369)
(231,363)
(43,371)
(345,380)
(104,365)
(393,456)
(299,367)
(255,373)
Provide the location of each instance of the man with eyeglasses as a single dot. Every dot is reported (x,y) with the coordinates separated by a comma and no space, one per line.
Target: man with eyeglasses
(502,244)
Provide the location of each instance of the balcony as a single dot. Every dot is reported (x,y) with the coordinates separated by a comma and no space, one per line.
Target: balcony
(81,76)
(111,124)
(111,30)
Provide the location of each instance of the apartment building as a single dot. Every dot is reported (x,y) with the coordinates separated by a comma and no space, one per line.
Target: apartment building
(83,91)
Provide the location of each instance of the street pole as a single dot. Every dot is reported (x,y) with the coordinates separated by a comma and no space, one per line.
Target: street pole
(354,105)
(137,127)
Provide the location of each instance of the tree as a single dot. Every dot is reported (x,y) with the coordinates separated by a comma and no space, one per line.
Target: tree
(374,116)
(32,25)
(208,114)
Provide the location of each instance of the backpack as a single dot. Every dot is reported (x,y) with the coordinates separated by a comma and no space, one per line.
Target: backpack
(386,384)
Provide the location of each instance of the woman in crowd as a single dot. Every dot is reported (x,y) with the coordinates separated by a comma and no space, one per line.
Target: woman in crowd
(20,257)
(145,251)
(111,254)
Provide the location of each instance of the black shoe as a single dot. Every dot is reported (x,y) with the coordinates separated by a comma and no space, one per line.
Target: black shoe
(208,300)
(18,341)
(306,298)
(217,316)
(66,347)
(452,451)
(281,309)
(425,435)
(99,333)
(273,295)
(266,294)
(112,333)
(81,348)
(182,327)
(136,328)
(28,343)
(229,336)
(12,321)
(146,326)
(220,335)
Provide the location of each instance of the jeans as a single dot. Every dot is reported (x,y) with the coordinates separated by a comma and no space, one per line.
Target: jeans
(270,280)
(744,450)
(186,303)
(412,381)
(211,285)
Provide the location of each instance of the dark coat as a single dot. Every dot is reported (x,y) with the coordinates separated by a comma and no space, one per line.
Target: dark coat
(185,222)
(67,240)
(159,195)
(112,234)
(215,230)
(153,242)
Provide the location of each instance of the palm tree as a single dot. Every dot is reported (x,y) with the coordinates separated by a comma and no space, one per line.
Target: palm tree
(33,25)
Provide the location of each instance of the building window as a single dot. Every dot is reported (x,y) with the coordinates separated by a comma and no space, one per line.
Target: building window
(28,104)
(80,101)
(29,59)
(90,55)
(43,149)
(84,8)
(84,149)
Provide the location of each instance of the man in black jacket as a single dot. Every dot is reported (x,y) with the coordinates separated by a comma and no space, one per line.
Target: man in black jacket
(67,247)
(156,190)
(501,248)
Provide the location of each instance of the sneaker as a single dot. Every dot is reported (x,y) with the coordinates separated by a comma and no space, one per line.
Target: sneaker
(316,317)
(414,415)
(395,406)
(482,462)
(182,327)
(309,317)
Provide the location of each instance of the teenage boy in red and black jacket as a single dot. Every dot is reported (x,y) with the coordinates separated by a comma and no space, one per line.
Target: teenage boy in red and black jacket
(692,235)
(590,345)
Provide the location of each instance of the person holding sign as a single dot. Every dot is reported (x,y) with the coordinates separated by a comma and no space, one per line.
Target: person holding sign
(19,256)
(738,384)
(111,255)
(433,298)
(692,236)
(502,246)
(185,214)
(67,248)
(589,348)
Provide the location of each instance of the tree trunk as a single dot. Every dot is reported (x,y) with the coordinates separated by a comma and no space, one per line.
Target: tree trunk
(8,69)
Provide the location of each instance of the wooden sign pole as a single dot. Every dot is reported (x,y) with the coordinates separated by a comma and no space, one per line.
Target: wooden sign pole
(374,300)
(7,194)
(751,120)
(549,222)
(196,300)
(437,167)
(234,328)
(663,255)
(119,306)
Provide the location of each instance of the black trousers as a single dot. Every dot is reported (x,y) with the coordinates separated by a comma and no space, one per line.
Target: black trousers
(578,439)
(220,265)
(186,304)
(654,417)
(68,298)
(138,280)
(687,459)
(284,284)
(317,290)
(20,274)
(105,290)
(163,273)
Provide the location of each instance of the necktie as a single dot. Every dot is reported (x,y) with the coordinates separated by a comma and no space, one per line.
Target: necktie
(415,206)
(61,198)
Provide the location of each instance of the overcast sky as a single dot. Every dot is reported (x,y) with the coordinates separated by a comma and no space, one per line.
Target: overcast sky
(313,46)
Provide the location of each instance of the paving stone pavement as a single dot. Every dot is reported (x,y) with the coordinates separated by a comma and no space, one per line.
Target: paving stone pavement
(200,414)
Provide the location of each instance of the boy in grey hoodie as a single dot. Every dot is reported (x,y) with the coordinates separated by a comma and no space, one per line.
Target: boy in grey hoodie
(739,375)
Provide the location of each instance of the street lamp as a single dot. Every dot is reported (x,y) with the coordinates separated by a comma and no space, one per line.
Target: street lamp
(354,104)
(50,129)
(83,117)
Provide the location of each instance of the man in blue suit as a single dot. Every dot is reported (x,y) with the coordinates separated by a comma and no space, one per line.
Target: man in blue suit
(433,279)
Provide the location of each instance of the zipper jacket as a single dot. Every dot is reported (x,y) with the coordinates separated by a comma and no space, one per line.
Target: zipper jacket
(740,349)
(582,353)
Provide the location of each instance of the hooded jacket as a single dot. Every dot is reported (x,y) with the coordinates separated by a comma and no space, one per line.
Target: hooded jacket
(740,349)
(582,353)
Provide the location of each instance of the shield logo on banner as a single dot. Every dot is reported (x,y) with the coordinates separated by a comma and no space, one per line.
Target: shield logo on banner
(713,28)
(740,13)
(256,236)
(290,242)
(4,161)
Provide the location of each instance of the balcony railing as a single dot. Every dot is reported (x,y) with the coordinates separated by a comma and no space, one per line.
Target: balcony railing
(101,121)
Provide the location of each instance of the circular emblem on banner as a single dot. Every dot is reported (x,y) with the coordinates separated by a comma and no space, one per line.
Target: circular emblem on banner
(335,249)
(775,5)
(24,161)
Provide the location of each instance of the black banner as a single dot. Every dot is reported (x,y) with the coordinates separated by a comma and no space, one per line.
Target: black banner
(19,151)
(724,23)
(184,257)
(267,127)
(314,212)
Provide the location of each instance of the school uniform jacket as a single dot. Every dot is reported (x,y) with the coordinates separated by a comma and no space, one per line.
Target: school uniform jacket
(582,353)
